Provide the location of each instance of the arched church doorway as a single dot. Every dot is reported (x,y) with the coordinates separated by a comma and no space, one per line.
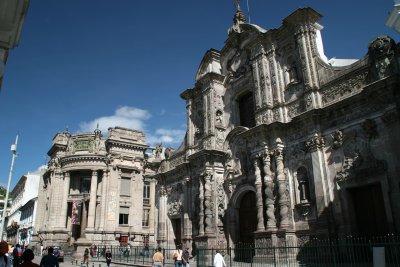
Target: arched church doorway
(247,218)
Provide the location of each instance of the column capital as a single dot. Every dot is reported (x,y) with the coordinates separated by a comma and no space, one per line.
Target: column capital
(94,172)
(316,142)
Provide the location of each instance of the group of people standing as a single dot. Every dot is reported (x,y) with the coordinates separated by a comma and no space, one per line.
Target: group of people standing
(181,258)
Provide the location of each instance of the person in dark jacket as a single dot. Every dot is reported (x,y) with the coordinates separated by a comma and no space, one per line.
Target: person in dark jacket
(17,253)
(108,257)
(49,260)
(27,258)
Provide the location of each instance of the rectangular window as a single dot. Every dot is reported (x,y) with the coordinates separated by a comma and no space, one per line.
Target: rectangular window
(146,217)
(125,186)
(123,215)
(85,185)
(146,193)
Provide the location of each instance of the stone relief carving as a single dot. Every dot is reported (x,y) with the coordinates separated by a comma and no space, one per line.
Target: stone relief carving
(238,64)
(174,201)
(337,139)
(350,162)
(343,88)
(381,51)
(233,166)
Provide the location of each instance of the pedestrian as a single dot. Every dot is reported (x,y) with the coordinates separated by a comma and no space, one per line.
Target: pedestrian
(86,257)
(185,257)
(177,256)
(17,253)
(3,252)
(158,258)
(108,258)
(49,260)
(219,260)
(27,258)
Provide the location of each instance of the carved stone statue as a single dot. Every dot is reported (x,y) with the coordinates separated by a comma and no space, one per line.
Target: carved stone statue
(168,152)
(337,139)
(159,149)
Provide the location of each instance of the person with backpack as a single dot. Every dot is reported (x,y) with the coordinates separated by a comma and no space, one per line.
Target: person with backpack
(185,257)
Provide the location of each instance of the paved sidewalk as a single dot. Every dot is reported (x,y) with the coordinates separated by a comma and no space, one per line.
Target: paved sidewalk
(69,262)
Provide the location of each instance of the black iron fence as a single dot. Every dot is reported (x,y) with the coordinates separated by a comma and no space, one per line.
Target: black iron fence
(347,252)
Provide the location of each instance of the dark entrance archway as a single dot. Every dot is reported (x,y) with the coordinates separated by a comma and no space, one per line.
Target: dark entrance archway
(247,226)
(369,210)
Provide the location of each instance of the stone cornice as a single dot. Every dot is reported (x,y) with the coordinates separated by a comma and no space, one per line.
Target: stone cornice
(77,158)
(119,143)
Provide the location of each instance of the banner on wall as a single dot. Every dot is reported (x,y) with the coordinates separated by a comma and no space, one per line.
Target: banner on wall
(76,212)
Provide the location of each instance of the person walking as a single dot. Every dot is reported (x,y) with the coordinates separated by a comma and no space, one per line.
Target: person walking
(49,260)
(27,258)
(86,256)
(177,256)
(3,252)
(219,260)
(158,258)
(108,257)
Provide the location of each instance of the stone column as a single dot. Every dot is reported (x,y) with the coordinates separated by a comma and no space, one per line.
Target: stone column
(162,215)
(104,188)
(187,225)
(152,204)
(64,208)
(323,192)
(83,218)
(259,201)
(208,216)
(201,208)
(269,192)
(92,203)
(283,190)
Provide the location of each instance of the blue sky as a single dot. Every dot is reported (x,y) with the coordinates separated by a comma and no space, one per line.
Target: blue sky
(125,62)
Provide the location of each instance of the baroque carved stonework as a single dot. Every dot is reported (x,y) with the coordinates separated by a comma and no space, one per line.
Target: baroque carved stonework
(343,89)
(315,143)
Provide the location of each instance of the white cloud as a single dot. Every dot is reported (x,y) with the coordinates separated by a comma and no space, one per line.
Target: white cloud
(128,117)
(166,136)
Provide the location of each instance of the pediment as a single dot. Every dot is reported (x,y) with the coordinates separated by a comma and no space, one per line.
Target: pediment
(209,64)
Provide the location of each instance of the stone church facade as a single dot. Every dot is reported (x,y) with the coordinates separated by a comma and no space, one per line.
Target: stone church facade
(96,191)
(283,144)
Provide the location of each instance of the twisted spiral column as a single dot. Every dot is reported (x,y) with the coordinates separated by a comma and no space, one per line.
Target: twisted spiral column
(269,192)
(259,201)
(282,189)
(207,204)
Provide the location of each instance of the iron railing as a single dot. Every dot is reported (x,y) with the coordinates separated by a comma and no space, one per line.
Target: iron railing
(346,252)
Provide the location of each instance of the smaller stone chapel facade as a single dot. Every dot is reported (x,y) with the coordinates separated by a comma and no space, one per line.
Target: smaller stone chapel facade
(96,191)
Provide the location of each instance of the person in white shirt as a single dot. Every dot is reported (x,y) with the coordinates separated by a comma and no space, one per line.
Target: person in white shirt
(219,260)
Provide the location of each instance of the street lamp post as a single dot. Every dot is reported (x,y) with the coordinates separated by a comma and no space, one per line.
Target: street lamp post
(14,152)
